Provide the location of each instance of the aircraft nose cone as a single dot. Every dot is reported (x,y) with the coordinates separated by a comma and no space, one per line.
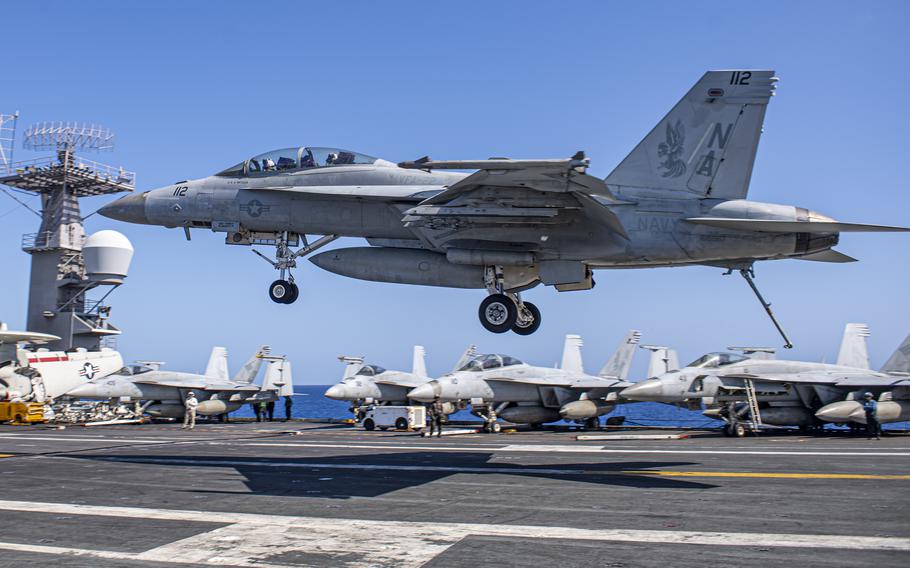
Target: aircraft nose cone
(129,209)
(336,392)
(648,389)
(85,390)
(424,393)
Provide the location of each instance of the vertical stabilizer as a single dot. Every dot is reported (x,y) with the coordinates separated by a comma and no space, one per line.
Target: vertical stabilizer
(419,366)
(217,367)
(247,373)
(278,377)
(618,365)
(706,145)
(899,362)
(571,355)
(853,349)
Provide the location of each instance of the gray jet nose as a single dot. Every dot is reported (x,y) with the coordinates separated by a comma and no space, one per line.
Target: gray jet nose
(129,209)
(424,393)
(336,392)
(648,389)
(85,390)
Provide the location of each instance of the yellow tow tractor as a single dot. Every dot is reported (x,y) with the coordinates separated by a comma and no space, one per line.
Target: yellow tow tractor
(22,412)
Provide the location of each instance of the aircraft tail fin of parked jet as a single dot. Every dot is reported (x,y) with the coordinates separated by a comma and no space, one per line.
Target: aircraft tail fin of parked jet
(663,360)
(571,355)
(853,349)
(706,145)
(247,373)
(419,366)
(217,367)
(899,362)
(621,361)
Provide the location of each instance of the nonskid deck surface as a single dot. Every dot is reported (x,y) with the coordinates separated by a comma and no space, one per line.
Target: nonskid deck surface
(296,494)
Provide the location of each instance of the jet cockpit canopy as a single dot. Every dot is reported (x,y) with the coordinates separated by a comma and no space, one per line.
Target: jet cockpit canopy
(717,359)
(300,158)
(370,371)
(492,361)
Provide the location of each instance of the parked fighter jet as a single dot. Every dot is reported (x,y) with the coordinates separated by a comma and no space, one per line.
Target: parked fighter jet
(364,384)
(678,199)
(39,375)
(782,393)
(164,392)
(503,386)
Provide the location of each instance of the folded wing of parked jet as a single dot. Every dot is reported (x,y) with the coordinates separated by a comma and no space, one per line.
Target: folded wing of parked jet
(899,362)
(853,349)
(247,373)
(278,377)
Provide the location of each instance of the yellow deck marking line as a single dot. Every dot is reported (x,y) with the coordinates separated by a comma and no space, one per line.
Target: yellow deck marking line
(7,455)
(768,475)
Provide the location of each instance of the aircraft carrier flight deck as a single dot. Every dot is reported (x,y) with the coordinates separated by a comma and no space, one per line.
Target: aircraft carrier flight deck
(309,494)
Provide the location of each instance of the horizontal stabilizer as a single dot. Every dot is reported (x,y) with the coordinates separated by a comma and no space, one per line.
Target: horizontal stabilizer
(781,226)
(829,255)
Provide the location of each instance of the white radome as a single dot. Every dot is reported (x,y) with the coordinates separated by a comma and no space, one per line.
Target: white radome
(107,256)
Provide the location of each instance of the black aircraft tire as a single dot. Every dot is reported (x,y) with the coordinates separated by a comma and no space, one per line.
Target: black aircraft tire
(293,295)
(280,291)
(738,430)
(497,313)
(531,327)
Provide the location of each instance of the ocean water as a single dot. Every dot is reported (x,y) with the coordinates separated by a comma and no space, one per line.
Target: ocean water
(309,402)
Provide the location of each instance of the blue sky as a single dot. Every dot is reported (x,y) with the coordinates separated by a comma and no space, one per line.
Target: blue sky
(193,87)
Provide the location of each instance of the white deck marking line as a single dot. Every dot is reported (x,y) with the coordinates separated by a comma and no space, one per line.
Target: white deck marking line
(251,539)
(567,449)
(26,437)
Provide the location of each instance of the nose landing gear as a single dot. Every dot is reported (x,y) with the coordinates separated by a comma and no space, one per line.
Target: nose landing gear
(503,311)
(284,290)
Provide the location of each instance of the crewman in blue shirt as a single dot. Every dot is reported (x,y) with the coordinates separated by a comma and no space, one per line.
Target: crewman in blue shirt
(870,406)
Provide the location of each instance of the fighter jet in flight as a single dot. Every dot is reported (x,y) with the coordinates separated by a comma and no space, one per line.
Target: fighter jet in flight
(365,384)
(35,374)
(164,392)
(755,387)
(678,199)
(502,386)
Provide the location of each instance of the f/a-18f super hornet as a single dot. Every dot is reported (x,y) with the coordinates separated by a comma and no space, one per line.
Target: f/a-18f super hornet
(678,199)
(39,375)
(755,387)
(364,384)
(503,386)
(164,392)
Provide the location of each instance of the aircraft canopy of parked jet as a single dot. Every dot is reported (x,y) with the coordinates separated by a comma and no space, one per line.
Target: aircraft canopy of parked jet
(300,158)
(370,371)
(716,359)
(486,362)
(135,370)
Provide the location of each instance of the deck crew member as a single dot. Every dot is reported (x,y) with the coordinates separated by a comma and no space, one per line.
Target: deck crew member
(189,413)
(288,404)
(870,406)
(436,414)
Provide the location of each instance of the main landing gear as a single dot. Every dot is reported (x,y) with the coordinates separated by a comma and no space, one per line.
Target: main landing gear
(504,311)
(284,290)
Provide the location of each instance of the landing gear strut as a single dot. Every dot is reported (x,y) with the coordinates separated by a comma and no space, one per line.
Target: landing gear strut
(503,311)
(284,290)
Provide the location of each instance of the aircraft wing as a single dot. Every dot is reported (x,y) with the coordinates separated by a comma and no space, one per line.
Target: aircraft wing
(580,382)
(200,385)
(506,192)
(412,381)
(838,380)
